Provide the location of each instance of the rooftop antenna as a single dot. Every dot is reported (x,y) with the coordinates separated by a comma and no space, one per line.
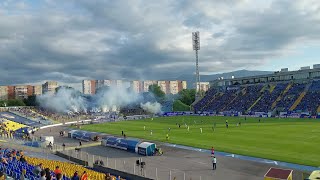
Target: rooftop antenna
(196,48)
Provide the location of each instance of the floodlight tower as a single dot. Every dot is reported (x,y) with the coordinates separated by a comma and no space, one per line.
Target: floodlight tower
(196,48)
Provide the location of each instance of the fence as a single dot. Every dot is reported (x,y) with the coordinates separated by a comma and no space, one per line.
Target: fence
(119,166)
(129,165)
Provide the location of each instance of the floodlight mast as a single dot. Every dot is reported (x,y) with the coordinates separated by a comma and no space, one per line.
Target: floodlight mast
(196,48)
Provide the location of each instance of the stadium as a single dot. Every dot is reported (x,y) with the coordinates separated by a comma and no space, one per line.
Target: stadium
(120,90)
(260,127)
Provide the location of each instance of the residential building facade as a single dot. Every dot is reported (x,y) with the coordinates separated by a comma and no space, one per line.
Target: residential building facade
(204,86)
(49,87)
(3,92)
(137,86)
(37,90)
(89,86)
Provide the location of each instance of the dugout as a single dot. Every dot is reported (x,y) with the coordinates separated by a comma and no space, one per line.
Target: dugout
(70,133)
(146,149)
(90,136)
(278,174)
(35,144)
(76,134)
(129,145)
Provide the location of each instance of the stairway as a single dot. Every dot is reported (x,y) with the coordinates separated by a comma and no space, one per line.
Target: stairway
(229,103)
(213,98)
(272,88)
(255,103)
(297,102)
(281,95)
(318,110)
(264,88)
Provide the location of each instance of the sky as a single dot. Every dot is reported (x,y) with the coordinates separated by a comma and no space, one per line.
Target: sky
(72,40)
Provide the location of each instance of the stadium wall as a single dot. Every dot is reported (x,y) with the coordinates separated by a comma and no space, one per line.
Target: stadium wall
(75,160)
(119,173)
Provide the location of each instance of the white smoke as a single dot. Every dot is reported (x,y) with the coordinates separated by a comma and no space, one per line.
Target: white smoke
(107,99)
(153,108)
(115,97)
(65,100)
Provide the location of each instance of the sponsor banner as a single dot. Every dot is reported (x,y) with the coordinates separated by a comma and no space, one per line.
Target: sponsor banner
(142,151)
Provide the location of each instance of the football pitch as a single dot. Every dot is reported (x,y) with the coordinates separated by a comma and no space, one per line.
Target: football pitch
(289,140)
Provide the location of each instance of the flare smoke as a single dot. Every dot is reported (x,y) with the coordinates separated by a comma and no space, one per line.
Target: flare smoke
(107,99)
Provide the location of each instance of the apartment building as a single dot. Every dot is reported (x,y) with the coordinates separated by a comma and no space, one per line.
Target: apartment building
(3,92)
(137,86)
(23,91)
(204,86)
(37,90)
(148,83)
(168,87)
(49,87)
(89,86)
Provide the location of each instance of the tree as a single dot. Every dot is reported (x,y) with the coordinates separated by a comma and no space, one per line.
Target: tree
(187,96)
(157,92)
(15,102)
(180,106)
(3,103)
(31,101)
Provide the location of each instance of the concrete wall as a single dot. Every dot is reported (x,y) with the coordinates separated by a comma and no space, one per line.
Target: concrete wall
(119,173)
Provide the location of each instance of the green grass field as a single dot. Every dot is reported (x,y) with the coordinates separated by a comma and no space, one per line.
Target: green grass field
(288,140)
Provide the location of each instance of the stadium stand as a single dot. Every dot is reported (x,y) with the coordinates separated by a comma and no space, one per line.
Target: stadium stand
(290,96)
(31,114)
(14,164)
(67,169)
(263,97)
(311,101)
(203,103)
(16,118)
(11,126)
(245,99)
(269,96)
(221,100)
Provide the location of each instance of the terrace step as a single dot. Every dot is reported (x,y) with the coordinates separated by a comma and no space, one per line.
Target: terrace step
(255,103)
(272,88)
(281,95)
(229,103)
(297,102)
(213,98)
(264,88)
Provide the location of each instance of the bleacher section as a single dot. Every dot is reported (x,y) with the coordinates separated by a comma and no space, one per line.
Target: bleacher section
(268,97)
(280,96)
(221,100)
(13,117)
(67,169)
(245,99)
(311,101)
(13,166)
(290,97)
(13,126)
(203,103)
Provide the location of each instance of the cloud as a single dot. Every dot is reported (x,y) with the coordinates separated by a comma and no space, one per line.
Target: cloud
(101,39)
